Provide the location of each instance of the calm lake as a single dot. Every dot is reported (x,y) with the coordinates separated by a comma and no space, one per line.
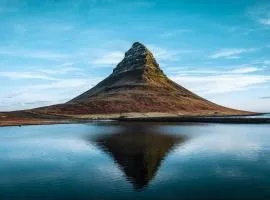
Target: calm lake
(112,160)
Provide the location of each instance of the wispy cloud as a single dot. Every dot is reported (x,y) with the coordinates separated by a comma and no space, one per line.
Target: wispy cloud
(173,33)
(32,54)
(60,84)
(238,30)
(221,70)
(64,68)
(265,21)
(232,53)
(164,54)
(260,13)
(245,70)
(220,83)
(48,73)
(25,75)
(109,58)
(102,55)
(266,97)
(263,62)
(220,79)
(58,91)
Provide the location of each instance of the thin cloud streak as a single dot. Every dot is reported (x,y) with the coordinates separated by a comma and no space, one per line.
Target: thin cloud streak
(241,69)
(109,58)
(245,70)
(265,21)
(218,84)
(59,91)
(163,54)
(49,73)
(25,75)
(36,54)
(233,53)
(221,81)
(260,13)
(173,33)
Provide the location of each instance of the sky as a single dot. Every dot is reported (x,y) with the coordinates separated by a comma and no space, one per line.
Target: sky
(53,50)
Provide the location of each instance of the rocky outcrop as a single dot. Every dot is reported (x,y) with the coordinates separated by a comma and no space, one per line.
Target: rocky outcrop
(137,58)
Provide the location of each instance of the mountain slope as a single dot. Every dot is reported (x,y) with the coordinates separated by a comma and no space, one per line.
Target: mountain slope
(137,84)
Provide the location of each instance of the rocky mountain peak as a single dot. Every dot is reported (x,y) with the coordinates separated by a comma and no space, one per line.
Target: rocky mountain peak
(138,85)
(138,45)
(138,57)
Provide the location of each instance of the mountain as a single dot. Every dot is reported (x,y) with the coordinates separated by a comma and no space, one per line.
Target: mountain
(136,88)
(138,85)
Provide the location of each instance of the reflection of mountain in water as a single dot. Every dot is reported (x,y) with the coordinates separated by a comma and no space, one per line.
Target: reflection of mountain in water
(138,152)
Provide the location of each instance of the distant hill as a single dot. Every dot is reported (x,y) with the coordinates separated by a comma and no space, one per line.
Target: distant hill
(138,85)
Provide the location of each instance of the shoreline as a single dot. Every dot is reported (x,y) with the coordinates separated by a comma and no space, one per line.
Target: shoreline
(229,119)
(223,120)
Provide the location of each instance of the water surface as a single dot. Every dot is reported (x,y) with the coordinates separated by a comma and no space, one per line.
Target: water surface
(254,116)
(260,116)
(135,161)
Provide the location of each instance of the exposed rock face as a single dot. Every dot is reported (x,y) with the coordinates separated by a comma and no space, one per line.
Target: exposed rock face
(137,58)
(137,84)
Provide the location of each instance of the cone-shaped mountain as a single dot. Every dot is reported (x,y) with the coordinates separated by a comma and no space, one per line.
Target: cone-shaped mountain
(138,69)
(138,84)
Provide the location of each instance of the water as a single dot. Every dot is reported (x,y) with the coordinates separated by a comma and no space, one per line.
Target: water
(135,161)
(260,116)
(254,116)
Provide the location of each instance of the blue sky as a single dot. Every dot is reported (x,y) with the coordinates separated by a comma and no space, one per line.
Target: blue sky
(53,50)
